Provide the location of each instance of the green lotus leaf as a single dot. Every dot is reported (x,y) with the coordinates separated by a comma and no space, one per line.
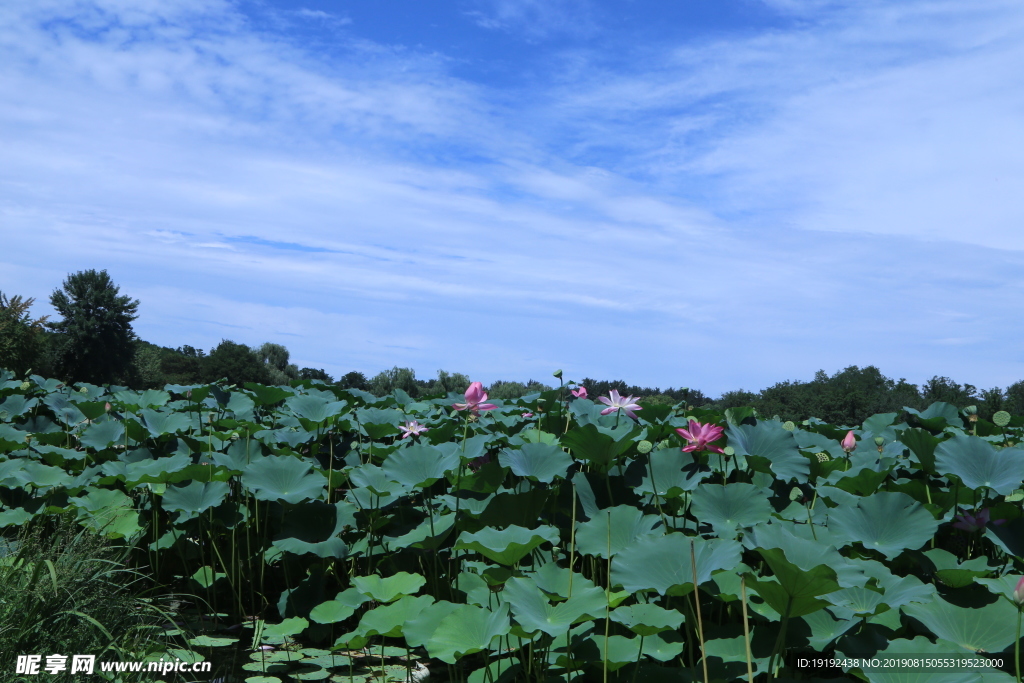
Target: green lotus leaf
(266,396)
(429,534)
(730,507)
(1003,585)
(287,628)
(22,473)
(647,619)
(937,416)
(862,601)
(238,455)
(206,576)
(532,610)
(669,472)
(589,443)
(313,528)
(195,498)
(379,422)
(314,408)
(537,461)
(554,580)
(880,424)
(768,440)
(100,435)
(804,550)
(63,409)
(108,511)
(340,608)
(506,546)
(793,591)
(922,444)
(951,572)
(663,563)
(389,588)
(17,405)
(165,422)
(872,523)
(421,628)
(989,628)
(920,646)
(627,523)
(373,478)
(283,478)
(826,628)
(466,630)
(389,620)
(418,465)
(978,463)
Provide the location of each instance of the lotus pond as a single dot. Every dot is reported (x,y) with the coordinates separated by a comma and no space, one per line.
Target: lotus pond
(336,535)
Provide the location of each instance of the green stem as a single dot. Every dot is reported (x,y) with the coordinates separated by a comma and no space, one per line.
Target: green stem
(1016,647)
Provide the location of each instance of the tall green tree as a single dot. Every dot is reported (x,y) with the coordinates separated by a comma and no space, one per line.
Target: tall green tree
(20,336)
(96,342)
(237,362)
(275,357)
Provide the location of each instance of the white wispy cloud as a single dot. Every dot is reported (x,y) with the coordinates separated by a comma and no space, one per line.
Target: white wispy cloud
(721,213)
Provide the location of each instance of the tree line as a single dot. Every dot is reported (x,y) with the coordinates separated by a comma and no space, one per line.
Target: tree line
(94,342)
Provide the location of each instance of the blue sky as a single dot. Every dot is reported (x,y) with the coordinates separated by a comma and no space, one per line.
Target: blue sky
(714,194)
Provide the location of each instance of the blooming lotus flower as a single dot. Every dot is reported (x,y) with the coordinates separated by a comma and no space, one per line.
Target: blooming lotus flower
(475,397)
(1018,592)
(616,402)
(579,393)
(527,415)
(700,435)
(849,443)
(969,522)
(412,427)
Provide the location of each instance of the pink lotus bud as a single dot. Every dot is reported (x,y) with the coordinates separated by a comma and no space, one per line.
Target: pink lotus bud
(107,407)
(1018,592)
(580,393)
(849,443)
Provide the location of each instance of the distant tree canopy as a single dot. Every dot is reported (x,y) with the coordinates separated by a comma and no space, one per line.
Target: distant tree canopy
(95,338)
(237,362)
(20,336)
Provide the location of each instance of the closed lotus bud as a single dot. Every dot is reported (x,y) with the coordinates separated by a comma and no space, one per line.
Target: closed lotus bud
(107,407)
(644,446)
(1018,592)
(1001,418)
(849,442)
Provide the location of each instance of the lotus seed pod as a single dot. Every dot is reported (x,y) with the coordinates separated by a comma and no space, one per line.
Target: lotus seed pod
(663,444)
(25,386)
(822,457)
(644,446)
(234,436)
(789,426)
(83,390)
(879,441)
(729,451)
(557,374)
(1001,418)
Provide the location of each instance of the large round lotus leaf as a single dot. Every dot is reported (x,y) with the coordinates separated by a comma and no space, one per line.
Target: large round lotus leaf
(422,627)
(109,511)
(730,507)
(388,620)
(537,461)
(803,550)
(628,524)
(887,522)
(949,571)
(101,435)
(239,454)
(429,534)
(147,469)
(195,498)
(792,590)
(989,628)
(22,473)
(768,440)
(379,422)
(283,478)
(373,478)
(861,601)
(916,648)
(589,443)
(978,463)
(165,422)
(314,408)
(419,465)
(465,630)
(554,580)
(670,472)
(663,564)
(647,619)
(825,628)
(506,546)
(17,405)
(1004,585)
(389,588)
(937,416)
(533,612)
(922,447)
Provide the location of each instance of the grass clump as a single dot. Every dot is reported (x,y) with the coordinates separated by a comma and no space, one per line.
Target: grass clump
(67,590)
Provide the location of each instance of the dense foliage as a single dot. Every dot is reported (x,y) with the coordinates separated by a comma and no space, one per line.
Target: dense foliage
(558,534)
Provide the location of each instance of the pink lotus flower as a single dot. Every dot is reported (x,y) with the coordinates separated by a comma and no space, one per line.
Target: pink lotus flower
(700,436)
(1018,592)
(579,393)
(849,443)
(475,397)
(972,523)
(527,415)
(412,427)
(616,402)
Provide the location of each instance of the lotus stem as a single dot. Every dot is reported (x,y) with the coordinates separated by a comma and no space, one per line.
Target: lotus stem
(746,629)
(607,600)
(700,620)
(1016,647)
